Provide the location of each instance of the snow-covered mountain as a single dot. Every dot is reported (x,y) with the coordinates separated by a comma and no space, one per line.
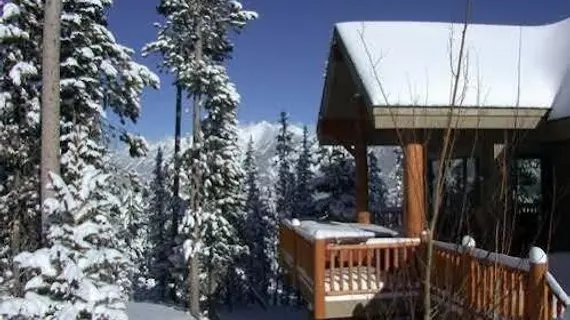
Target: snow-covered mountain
(264,141)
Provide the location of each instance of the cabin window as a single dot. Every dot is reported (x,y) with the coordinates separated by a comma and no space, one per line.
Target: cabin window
(458,194)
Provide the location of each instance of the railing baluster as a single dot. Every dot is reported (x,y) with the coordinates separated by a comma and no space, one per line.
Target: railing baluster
(369,268)
(377,268)
(341,271)
(332,273)
(359,270)
(350,270)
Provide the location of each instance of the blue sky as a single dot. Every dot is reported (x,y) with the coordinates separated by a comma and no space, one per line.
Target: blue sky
(279,59)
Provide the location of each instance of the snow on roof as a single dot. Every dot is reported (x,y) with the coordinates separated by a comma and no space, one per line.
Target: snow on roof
(412,62)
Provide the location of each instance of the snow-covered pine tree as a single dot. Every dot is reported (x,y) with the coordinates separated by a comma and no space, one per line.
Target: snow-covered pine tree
(377,189)
(303,199)
(132,223)
(225,250)
(256,210)
(159,226)
(285,185)
(334,184)
(194,42)
(76,274)
(270,226)
(395,194)
(20,77)
(96,74)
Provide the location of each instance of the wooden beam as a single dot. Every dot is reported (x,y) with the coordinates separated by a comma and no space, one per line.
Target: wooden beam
(361,159)
(414,188)
(363,215)
(319,251)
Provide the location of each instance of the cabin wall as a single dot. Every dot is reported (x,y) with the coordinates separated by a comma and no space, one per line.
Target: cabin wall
(557,195)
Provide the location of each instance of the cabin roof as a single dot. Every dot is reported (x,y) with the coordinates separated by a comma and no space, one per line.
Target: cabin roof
(408,64)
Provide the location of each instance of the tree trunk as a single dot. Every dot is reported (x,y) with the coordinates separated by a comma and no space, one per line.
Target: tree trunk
(16,243)
(176,184)
(194,271)
(194,263)
(50,103)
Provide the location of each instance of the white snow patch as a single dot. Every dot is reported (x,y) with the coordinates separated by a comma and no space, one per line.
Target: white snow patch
(537,255)
(20,70)
(151,311)
(312,230)
(468,242)
(10,10)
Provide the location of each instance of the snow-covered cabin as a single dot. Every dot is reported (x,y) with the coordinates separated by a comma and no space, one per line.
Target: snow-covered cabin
(488,96)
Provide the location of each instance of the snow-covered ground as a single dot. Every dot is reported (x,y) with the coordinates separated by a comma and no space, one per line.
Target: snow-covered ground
(149,311)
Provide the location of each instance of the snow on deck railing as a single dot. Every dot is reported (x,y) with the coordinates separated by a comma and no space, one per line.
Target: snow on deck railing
(557,289)
(513,262)
(499,258)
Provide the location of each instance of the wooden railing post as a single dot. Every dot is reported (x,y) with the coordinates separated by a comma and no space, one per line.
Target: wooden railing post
(468,285)
(296,244)
(414,188)
(535,296)
(361,161)
(319,279)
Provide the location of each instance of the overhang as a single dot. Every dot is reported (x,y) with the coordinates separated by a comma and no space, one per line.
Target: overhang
(513,77)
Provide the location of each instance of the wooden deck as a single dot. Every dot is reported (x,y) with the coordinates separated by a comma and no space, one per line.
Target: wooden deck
(343,278)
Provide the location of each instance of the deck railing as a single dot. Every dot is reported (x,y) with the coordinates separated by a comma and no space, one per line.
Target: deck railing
(384,265)
(487,284)
(466,279)
(322,268)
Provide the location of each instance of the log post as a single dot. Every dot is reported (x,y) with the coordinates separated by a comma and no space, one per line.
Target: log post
(363,215)
(468,272)
(319,279)
(414,188)
(535,295)
(361,160)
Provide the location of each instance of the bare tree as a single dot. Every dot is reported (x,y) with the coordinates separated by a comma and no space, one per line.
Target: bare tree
(50,102)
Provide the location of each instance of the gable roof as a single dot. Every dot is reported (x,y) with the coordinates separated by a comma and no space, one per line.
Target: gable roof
(409,64)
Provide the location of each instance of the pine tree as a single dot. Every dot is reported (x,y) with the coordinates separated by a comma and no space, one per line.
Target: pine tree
(76,274)
(194,42)
(257,211)
(224,220)
(285,177)
(335,184)
(133,231)
(159,233)
(20,90)
(377,189)
(97,74)
(303,201)
(271,266)
(395,196)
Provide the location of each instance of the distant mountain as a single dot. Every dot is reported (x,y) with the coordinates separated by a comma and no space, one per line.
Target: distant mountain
(264,141)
